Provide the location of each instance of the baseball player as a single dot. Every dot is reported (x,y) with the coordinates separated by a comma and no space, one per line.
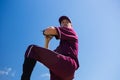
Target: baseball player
(61,62)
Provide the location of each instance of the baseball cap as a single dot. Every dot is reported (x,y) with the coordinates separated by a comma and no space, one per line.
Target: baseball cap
(62,18)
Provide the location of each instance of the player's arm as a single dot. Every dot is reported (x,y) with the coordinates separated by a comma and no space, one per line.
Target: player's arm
(50,31)
(47,40)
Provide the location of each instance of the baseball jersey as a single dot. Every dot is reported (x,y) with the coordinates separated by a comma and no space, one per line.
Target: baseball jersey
(68,45)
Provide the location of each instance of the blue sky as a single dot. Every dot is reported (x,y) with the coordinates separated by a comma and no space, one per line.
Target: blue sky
(97,23)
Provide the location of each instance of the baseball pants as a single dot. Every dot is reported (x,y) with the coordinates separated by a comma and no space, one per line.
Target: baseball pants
(61,67)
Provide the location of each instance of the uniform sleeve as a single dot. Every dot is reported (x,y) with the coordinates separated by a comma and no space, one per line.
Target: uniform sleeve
(65,33)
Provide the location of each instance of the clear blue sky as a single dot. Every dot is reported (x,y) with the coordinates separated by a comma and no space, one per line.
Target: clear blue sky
(97,23)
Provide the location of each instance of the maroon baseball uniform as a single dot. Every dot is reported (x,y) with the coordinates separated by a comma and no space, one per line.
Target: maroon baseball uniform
(63,61)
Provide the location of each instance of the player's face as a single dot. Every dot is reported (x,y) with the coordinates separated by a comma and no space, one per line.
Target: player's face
(65,23)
